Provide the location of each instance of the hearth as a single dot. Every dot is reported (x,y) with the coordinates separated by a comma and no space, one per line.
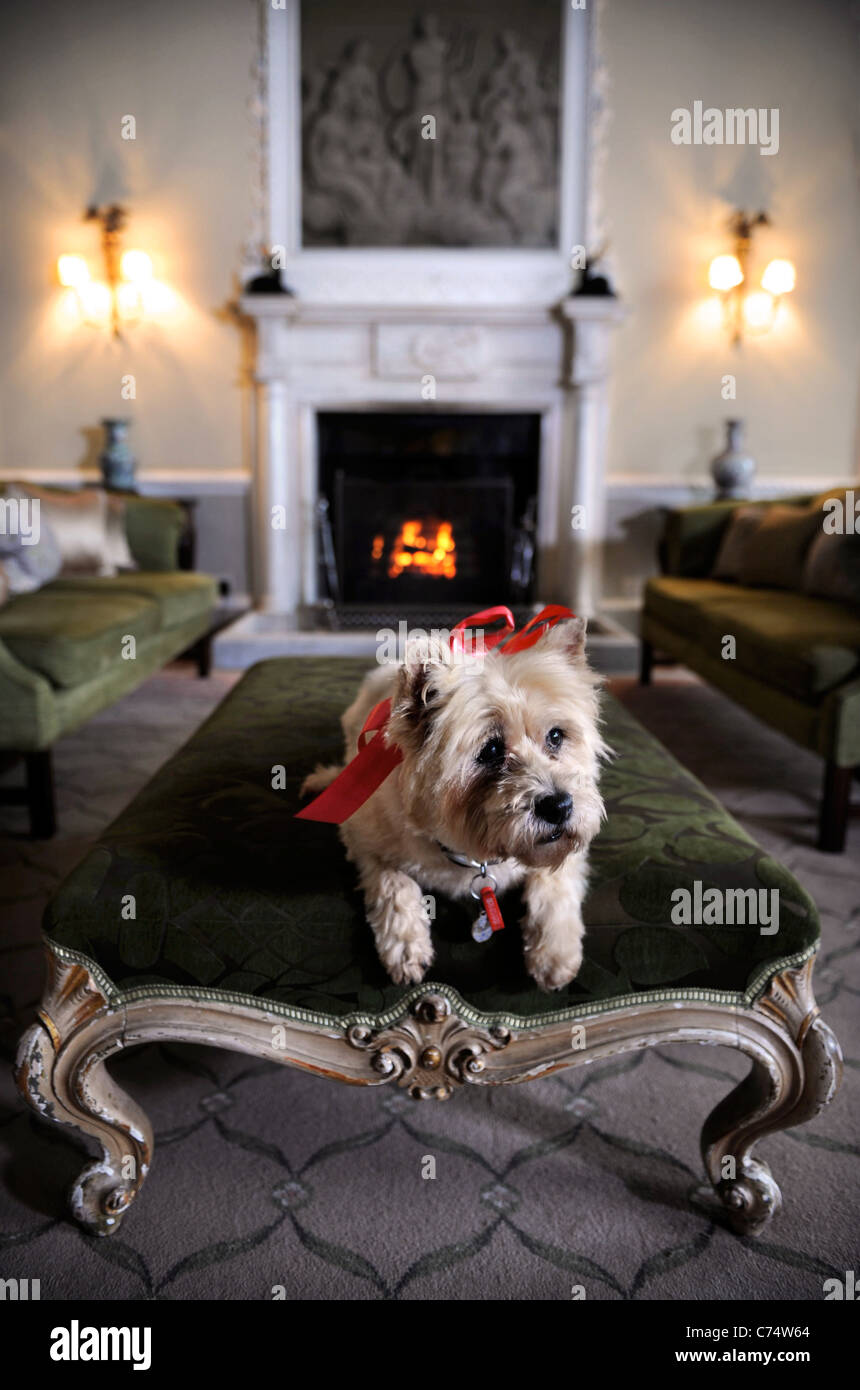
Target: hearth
(426,511)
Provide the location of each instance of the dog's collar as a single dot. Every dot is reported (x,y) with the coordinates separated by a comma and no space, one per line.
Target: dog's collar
(466,863)
(489,919)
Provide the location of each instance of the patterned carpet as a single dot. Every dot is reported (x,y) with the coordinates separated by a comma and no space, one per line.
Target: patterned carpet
(267,1180)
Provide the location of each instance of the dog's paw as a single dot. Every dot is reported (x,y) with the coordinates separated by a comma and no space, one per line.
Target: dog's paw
(408,962)
(552,965)
(319,779)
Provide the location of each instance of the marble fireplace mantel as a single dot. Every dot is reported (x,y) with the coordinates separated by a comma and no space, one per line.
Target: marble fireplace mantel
(549,359)
(424,327)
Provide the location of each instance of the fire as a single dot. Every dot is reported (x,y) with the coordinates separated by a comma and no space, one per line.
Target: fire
(425,554)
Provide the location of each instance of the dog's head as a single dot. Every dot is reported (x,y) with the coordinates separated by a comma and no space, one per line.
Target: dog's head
(501,753)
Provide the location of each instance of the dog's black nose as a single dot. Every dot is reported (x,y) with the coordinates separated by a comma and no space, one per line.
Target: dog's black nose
(555,809)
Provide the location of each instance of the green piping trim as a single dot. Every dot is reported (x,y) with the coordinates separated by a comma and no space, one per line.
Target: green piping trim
(732,998)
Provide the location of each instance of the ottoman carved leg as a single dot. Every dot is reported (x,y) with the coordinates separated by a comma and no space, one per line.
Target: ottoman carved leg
(797,1068)
(61,1073)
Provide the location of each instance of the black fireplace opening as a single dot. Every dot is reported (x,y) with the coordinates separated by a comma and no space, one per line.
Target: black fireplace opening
(428,511)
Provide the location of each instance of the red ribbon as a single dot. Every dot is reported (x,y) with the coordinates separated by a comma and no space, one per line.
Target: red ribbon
(375,758)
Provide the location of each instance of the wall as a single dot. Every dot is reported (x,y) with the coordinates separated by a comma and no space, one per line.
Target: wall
(667,205)
(69,72)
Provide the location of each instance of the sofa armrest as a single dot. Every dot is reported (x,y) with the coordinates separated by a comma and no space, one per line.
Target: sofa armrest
(692,535)
(29,719)
(154,528)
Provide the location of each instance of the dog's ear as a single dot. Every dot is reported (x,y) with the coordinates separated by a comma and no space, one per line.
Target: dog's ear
(417,693)
(568,636)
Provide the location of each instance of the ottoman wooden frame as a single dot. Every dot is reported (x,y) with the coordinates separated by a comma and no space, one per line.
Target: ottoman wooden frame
(431,1043)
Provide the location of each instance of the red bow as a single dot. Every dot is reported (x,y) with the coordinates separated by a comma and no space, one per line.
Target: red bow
(376,758)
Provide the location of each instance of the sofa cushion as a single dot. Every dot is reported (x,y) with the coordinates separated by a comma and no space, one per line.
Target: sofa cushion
(78,519)
(679,602)
(154,526)
(803,645)
(776,550)
(737,537)
(832,568)
(179,594)
(69,636)
(25,561)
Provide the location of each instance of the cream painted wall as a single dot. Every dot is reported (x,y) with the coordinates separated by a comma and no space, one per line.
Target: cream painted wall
(667,206)
(70,71)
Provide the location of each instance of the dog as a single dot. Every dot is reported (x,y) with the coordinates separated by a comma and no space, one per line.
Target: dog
(500,767)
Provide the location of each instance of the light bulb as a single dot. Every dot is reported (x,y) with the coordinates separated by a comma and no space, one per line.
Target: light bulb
(157,298)
(136,266)
(758,310)
(779,277)
(128,301)
(70,308)
(725,273)
(95,300)
(72,271)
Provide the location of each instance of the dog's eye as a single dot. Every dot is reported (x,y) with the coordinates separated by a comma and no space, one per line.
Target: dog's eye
(493,751)
(555,738)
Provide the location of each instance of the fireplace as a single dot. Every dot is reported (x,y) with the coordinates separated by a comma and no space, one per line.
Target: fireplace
(426,511)
(431,403)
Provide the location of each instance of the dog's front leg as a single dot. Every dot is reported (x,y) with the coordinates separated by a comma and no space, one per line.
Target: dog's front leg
(553,927)
(401,927)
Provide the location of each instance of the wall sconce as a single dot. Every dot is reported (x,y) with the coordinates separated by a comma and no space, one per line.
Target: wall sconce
(755,312)
(127,292)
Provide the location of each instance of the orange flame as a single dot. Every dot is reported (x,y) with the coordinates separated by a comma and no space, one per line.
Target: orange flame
(412,550)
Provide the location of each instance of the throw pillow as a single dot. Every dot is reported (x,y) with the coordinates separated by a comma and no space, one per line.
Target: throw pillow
(742,526)
(29,553)
(118,553)
(79,522)
(776,551)
(832,568)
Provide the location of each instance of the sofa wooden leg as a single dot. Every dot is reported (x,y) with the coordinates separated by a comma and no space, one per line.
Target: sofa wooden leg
(646,662)
(203,656)
(835,804)
(40,794)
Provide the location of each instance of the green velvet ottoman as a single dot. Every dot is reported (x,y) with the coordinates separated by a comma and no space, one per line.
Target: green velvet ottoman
(208,914)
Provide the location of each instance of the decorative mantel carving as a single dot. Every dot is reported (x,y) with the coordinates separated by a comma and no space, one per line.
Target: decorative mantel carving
(444,140)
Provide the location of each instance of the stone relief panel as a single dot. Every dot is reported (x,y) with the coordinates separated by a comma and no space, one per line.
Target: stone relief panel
(430,129)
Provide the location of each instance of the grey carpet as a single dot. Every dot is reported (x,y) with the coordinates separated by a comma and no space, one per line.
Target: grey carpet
(266,1179)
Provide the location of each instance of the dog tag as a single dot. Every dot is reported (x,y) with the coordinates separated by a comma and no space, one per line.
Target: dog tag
(490,919)
(492,911)
(481,929)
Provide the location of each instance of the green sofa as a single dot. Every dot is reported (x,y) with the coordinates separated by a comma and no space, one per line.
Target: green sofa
(61,647)
(797,659)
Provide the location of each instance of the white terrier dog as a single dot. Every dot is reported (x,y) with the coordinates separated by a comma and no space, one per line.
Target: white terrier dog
(500,765)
